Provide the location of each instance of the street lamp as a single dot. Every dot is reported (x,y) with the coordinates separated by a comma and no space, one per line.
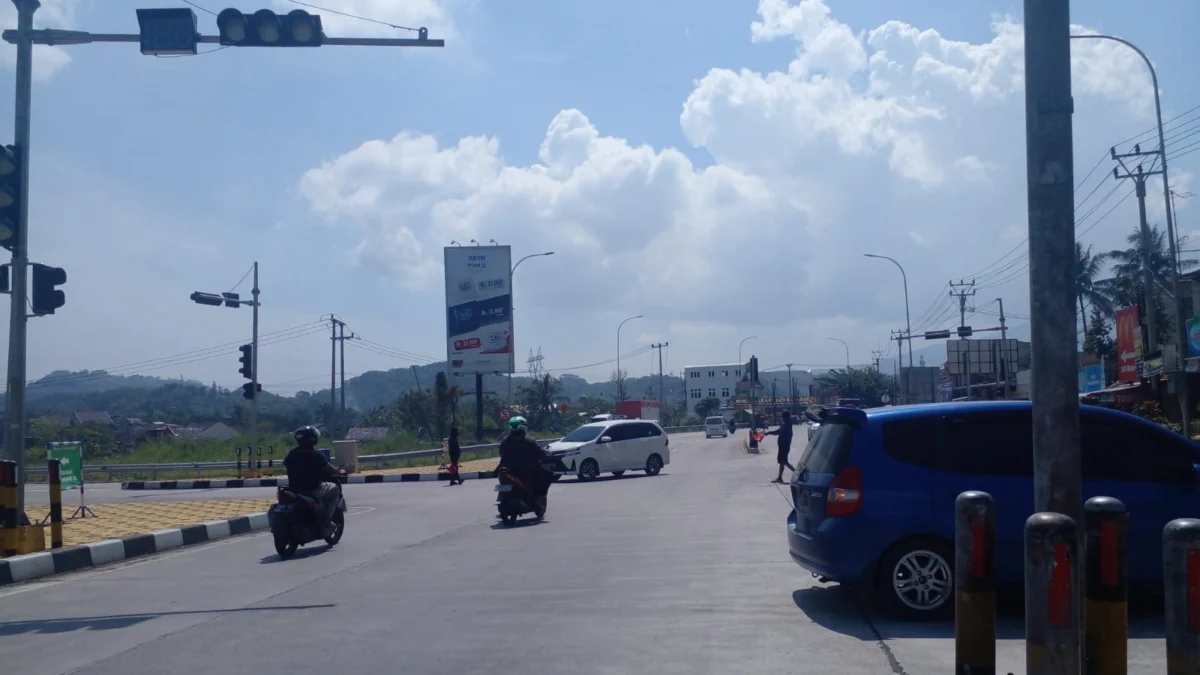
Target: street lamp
(513,355)
(1180,327)
(907,320)
(249,360)
(619,378)
(752,337)
(847,350)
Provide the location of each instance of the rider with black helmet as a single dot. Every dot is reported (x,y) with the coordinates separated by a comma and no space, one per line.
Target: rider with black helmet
(308,472)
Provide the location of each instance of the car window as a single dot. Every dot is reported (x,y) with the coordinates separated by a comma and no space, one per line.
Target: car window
(989,444)
(648,430)
(622,432)
(1115,449)
(715,420)
(913,440)
(583,434)
(828,448)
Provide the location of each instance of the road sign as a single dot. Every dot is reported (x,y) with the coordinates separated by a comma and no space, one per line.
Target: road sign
(505,414)
(885,398)
(70,459)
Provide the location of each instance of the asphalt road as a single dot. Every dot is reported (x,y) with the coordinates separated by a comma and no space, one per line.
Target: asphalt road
(686,572)
(111,493)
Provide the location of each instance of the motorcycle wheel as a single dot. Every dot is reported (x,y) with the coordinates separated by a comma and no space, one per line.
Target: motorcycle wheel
(539,508)
(339,526)
(285,546)
(509,519)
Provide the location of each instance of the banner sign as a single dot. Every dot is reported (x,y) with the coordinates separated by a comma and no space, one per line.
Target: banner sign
(479,327)
(70,459)
(1091,378)
(1193,335)
(1128,344)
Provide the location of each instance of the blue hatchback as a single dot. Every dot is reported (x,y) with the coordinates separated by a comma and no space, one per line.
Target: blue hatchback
(874,492)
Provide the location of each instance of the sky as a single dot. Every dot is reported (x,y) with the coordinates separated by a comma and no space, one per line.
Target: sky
(718,166)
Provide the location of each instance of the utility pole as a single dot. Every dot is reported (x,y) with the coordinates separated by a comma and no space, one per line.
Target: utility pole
(876,356)
(341,339)
(416,378)
(1050,178)
(662,391)
(1150,291)
(254,359)
(792,390)
(14,437)
(967,291)
(1004,366)
(334,323)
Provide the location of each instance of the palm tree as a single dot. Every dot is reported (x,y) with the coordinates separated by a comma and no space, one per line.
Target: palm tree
(1087,267)
(1126,288)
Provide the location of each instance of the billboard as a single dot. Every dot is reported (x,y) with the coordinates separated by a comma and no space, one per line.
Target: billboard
(1091,378)
(1129,344)
(479,328)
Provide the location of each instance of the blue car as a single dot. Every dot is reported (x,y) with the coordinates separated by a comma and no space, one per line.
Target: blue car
(873,495)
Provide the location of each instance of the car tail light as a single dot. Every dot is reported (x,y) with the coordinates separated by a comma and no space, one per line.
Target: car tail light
(845,493)
(666,441)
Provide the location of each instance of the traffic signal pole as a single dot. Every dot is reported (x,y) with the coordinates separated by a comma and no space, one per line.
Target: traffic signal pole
(14,437)
(254,361)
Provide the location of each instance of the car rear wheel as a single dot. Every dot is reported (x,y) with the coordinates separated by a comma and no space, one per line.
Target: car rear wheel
(916,580)
(653,465)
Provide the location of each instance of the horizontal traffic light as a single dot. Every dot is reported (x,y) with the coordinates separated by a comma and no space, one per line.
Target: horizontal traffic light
(265,28)
(207,299)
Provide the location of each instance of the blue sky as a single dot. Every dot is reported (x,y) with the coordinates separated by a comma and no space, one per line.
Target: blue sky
(721,179)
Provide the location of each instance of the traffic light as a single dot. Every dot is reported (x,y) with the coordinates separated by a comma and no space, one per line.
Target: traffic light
(964,331)
(207,299)
(45,297)
(248,390)
(265,28)
(247,361)
(10,194)
(232,299)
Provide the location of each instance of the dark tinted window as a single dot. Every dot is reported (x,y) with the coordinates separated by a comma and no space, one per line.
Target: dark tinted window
(990,444)
(1124,450)
(622,432)
(828,448)
(912,441)
(652,430)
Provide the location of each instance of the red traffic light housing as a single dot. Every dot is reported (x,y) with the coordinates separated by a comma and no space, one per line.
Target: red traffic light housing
(265,28)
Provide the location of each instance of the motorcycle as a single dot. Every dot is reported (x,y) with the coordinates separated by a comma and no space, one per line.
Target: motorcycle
(295,520)
(514,500)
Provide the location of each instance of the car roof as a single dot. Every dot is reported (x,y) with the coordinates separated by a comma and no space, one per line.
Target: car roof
(977,407)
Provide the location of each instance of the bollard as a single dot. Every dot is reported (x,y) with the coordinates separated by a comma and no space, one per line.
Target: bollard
(1181,580)
(974,584)
(1106,610)
(239,461)
(1051,595)
(258,464)
(54,471)
(270,457)
(8,507)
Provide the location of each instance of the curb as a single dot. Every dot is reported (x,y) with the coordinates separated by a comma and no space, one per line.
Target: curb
(749,450)
(33,565)
(357,479)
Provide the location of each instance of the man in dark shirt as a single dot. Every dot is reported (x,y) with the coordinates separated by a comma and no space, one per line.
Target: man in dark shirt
(308,472)
(784,432)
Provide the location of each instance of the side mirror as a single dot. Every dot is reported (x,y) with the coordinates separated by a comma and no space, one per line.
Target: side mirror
(605,439)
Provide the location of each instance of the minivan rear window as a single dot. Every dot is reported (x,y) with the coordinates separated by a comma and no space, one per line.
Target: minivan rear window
(828,448)
(715,420)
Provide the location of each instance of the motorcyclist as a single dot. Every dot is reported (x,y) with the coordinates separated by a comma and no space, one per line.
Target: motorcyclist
(523,457)
(309,473)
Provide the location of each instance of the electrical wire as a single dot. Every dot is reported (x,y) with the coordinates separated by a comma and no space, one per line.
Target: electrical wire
(352,16)
(202,9)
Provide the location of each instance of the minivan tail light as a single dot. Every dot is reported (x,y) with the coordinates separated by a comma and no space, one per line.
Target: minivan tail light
(845,494)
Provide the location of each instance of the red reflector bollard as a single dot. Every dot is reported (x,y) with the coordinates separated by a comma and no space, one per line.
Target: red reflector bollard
(1106,612)
(1051,595)
(974,583)
(1181,581)
(54,480)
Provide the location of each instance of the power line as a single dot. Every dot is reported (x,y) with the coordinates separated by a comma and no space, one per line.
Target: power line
(351,16)
(202,9)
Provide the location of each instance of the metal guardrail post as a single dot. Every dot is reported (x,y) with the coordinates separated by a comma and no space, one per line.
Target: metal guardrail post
(1181,581)
(1051,595)
(974,584)
(1106,608)
(54,471)
(270,458)
(239,460)
(8,507)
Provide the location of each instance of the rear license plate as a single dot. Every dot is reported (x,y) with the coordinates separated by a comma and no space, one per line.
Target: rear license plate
(503,488)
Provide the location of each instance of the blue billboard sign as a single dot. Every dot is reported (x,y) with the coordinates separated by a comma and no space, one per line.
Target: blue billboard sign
(1091,379)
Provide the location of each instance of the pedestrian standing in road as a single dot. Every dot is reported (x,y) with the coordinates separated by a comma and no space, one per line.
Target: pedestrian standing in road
(784,432)
(455,452)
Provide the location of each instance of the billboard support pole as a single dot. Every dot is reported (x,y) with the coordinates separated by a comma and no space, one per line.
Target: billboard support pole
(479,406)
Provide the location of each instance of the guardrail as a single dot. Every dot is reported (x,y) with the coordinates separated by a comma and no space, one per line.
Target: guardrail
(378,459)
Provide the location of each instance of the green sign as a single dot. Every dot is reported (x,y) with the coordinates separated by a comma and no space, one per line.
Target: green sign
(70,459)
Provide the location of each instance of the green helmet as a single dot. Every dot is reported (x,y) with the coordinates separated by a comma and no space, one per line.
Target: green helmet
(517,423)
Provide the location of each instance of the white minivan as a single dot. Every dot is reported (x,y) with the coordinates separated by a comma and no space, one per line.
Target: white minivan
(715,426)
(613,446)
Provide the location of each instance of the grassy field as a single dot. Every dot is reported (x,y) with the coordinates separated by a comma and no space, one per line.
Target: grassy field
(206,450)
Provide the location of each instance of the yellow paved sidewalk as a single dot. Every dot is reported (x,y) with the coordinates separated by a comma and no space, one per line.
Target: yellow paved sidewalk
(114,521)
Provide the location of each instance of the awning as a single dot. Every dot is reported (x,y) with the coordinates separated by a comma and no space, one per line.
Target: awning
(1119,387)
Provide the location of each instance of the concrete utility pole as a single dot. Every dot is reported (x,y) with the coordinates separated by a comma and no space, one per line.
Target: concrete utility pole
(876,356)
(792,390)
(1050,171)
(334,324)
(1149,283)
(1004,367)
(341,339)
(662,391)
(962,290)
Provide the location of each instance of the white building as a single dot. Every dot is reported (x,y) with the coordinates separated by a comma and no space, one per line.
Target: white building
(718,381)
